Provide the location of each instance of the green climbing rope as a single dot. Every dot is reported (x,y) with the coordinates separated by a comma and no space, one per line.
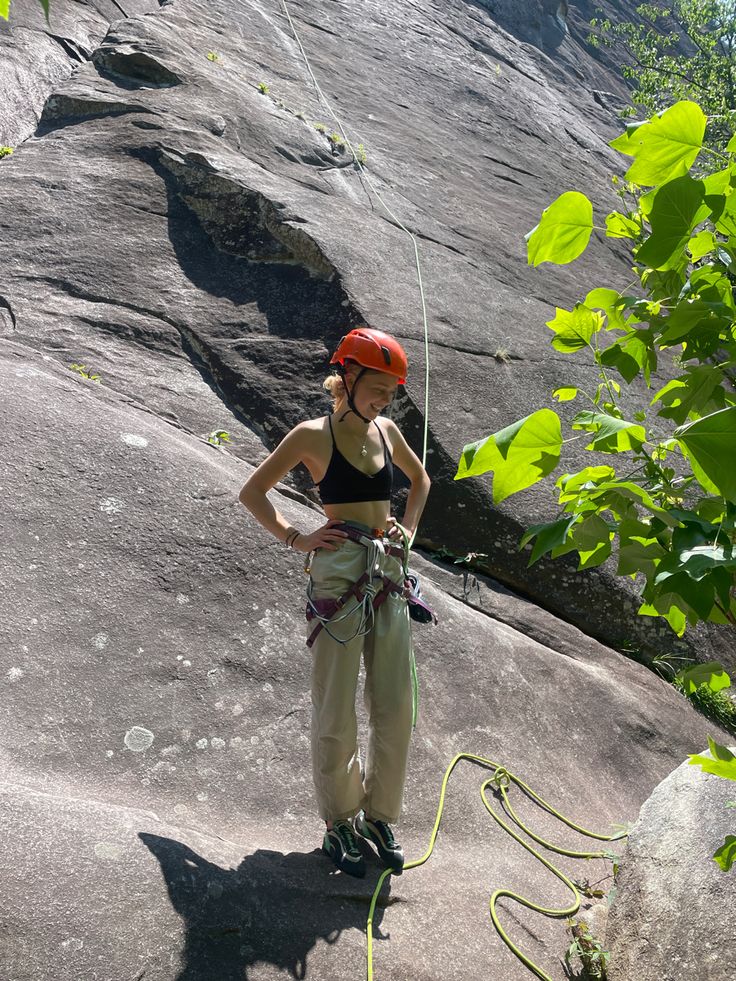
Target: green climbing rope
(501,780)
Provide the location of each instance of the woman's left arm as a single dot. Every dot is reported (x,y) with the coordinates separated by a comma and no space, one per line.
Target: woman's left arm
(408,462)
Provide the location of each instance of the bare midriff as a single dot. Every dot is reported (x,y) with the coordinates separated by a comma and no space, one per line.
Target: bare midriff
(371,513)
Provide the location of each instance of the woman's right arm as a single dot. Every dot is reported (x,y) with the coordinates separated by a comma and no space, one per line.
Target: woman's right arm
(290,452)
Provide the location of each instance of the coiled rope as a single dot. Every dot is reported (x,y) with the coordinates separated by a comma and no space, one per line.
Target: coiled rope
(501,780)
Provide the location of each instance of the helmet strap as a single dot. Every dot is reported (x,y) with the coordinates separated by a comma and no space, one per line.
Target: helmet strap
(350,394)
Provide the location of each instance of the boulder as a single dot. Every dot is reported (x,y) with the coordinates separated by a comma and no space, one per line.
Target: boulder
(674,915)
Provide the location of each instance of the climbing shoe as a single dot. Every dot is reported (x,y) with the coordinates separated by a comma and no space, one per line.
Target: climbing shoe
(379,834)
(340,844)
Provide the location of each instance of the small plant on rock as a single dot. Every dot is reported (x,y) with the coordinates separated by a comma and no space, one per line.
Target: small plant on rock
(218,436)
(5,151)
(588,950)
(360,155)
(320,127)
(263,88)
(336,140)
(213,56)
(82,370)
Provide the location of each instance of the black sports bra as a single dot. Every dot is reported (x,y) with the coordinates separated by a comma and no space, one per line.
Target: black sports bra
(345,484)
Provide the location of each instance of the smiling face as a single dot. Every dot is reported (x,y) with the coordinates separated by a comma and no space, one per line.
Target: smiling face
(375,390)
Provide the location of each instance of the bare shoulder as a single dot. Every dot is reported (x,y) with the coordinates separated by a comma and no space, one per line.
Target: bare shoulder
(311,432)
(390,431)
(318,425)
(314,443)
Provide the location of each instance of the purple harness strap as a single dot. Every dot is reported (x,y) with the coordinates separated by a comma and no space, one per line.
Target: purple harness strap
(329,607)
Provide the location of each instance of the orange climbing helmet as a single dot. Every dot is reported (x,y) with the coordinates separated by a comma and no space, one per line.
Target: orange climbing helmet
(372,349)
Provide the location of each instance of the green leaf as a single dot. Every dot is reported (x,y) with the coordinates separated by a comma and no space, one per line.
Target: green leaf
(611,302)
(592,538)
(711,441)
(478,458)
(701,476)
(565,394)
(702,559)
(574,328)
(638,554)
(676,210)
(688,393)
(611,435)
(4,8)
(693,315)
(505,437)
(696,595)
(622,490)
(731,148)
(666,146)
(625,363)
(620,226)
(670,611)
(563,231)
(723,763)
(701,244)
(573,486)
(711,674)
(529,450)
(725,856)
(547,536)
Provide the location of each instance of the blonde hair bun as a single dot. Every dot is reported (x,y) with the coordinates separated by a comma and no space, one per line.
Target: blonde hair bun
(335,386)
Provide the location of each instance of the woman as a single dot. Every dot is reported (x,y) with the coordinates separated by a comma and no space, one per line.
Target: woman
(356,596)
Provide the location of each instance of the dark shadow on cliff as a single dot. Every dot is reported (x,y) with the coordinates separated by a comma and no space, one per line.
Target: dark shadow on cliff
(273,908)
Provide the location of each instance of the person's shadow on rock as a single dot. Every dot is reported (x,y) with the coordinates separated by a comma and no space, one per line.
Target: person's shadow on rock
(273,908)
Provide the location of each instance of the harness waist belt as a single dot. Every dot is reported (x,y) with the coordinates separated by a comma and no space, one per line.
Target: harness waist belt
(363,538)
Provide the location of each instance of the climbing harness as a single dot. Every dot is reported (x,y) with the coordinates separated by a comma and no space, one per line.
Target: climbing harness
(369,596)
(502,777)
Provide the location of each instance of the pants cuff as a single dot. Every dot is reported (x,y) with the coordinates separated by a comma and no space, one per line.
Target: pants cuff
(343,815)
(379,816)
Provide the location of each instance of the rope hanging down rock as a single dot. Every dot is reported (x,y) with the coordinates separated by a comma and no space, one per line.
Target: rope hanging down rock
(397,221)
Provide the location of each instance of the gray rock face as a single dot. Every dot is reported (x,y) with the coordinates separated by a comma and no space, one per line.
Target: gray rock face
(674,915)
(36,56)
(165,207)
(152,652)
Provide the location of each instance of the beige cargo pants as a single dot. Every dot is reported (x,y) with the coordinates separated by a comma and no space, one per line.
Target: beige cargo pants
(386,649)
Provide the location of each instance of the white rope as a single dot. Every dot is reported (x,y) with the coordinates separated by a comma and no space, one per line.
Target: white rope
(391,214)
